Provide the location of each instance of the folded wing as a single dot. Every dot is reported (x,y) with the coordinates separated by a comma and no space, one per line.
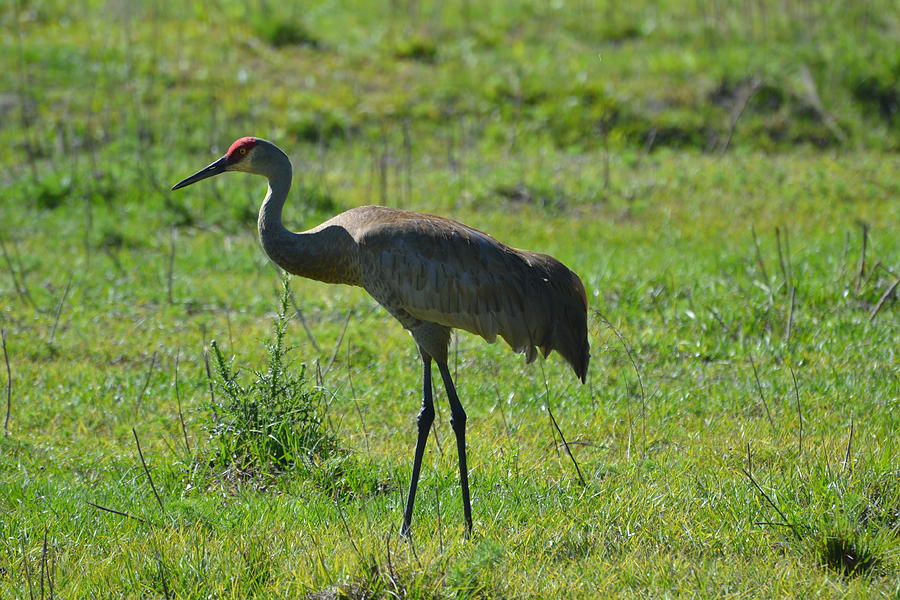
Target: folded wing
(438,270)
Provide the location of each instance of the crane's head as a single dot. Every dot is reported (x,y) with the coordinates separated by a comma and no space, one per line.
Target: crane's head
(240,157)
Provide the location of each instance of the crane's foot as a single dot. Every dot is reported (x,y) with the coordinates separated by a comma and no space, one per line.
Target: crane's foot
(404,531)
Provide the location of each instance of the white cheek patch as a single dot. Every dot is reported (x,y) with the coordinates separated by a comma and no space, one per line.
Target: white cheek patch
(243,164)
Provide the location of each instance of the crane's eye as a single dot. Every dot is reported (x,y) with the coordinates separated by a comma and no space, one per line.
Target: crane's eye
(243,151)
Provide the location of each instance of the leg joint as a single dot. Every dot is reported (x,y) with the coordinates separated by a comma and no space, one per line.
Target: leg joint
(458,419)
(426,416)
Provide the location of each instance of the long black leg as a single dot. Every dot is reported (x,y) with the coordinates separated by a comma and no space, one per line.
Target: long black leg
(424,421)
(458,422)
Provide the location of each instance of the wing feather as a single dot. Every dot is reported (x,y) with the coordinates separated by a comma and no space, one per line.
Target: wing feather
(441,271)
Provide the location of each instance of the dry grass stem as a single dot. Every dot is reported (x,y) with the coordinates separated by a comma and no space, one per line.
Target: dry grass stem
(8,383)
(881,301)
(140,397)
(147,471)
(59,308)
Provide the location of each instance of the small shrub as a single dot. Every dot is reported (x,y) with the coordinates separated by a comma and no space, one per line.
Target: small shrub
(417,49)
(284,32)
(879,94)
(847,557)
(51,191)
(273,423)
(621,32)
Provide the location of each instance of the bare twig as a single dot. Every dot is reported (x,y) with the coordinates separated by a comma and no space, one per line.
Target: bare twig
(147,471)
(647,147)
(321,558)
(502,412)
(787,255)
(209,379)
(21,286)
(27,569)
(59,308)
(630,432)
(872,272)
(784,519)
(8,383)
(760,390)
(887,293)
(719,319)
(162,571)
(747,94)
(48,568)
(566,445)
(137,404)
(387,545)
(799,412)
(762,264)
(781,261)
(51,575)
(43,561)
(773,524)
(587,443)
(887,270)
(306,328)
(553,429)
(337,345)
(861,270)
(749,459)
(118,512)
(359,411)
(347,529)
(637,372)
(790,317)
(558,430)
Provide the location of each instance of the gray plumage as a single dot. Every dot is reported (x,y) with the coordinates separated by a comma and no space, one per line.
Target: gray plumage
(427,269)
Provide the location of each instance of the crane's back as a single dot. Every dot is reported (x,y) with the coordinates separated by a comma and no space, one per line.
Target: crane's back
(428,269)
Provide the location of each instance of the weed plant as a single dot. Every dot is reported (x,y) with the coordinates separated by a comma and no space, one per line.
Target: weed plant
(274,422)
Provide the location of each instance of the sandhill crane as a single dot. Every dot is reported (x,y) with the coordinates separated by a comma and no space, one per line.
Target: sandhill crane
(433,275)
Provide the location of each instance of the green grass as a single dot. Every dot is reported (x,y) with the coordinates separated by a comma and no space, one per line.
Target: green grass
(609,136)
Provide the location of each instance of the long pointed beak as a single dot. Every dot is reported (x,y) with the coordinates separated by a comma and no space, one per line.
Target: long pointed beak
(213,169)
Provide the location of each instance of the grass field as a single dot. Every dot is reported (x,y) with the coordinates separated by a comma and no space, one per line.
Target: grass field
(722,176)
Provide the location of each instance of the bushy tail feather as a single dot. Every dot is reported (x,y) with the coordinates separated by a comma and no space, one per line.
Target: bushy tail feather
(568,333)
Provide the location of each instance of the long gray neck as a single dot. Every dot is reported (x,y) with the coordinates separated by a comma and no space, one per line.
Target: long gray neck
(280,174)
(325,253)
